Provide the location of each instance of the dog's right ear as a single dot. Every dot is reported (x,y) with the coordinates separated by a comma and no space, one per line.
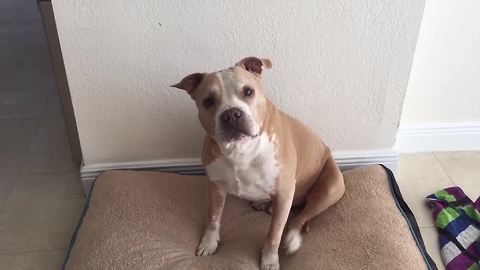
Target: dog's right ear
(190,83)
(254,64)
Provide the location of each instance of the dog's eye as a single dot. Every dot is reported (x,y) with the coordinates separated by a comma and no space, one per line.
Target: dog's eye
(208,102)
(248,92)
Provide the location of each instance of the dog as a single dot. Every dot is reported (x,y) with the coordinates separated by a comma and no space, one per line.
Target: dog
(255,151)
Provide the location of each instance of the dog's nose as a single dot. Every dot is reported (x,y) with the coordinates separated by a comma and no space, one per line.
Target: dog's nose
(231,115)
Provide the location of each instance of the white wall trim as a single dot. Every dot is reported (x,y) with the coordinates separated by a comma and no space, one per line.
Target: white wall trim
(346,160)
(434,137)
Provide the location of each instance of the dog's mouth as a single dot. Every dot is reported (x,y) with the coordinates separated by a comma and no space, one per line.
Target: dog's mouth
(237,135)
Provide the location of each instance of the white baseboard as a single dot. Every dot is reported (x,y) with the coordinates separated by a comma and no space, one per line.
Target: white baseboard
(436,137)
(346,160)
(192,166)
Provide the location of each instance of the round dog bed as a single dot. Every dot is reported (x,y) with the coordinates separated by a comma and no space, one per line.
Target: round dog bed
(153,220)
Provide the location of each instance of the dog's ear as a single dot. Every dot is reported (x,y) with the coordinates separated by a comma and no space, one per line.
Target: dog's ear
(190,83)
(254,65)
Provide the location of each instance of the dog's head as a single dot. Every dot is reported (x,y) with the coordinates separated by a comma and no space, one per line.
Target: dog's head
(231,104)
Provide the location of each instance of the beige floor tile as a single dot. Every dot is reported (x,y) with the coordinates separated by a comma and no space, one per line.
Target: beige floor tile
(40,213)
(464,170)
(25,31)
(60,186)
(50,151)
(37,62)
(9,10)
(430,238)
(414,192)
(14,10)
(40,224)
(23,104)
(22,98)
(45,260)
(418,176)
(21,84)
(15,139)
(30,60)
(53,108)
(419,166)
(10,55)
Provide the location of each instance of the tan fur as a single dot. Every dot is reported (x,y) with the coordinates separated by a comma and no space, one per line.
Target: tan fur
(302,154)
(308,174)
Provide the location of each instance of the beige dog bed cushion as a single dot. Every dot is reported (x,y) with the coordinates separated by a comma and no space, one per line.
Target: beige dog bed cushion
(153,220)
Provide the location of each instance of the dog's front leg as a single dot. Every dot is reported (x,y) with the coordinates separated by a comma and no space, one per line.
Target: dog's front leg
(282,202)
(211,236)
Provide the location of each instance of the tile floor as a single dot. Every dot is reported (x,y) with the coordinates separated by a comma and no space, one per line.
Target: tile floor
(40,194)
(419,175)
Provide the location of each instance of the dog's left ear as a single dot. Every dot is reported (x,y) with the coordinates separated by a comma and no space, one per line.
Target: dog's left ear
(190,83)
(254,65)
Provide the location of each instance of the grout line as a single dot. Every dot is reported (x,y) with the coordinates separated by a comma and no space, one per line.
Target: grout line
(20,165)
(9,189)
(30,251)
(19,171)
(443,168)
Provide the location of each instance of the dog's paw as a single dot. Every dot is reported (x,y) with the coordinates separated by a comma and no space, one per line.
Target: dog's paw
(269,261)
(273,266)
(270,265)
(205,250)
(292,241)
(208,244)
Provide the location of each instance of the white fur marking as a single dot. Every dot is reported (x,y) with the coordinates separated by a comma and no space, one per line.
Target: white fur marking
(292,241)
(230,85)
(269,260)
(209,243)
(246,169)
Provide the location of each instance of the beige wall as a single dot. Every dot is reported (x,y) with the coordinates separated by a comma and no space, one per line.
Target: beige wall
(340,66)
(444,83)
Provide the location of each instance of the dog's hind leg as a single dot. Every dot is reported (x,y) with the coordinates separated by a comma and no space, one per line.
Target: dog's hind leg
(327,190)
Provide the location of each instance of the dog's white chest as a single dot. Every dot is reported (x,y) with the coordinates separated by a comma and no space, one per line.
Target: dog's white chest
(249,172)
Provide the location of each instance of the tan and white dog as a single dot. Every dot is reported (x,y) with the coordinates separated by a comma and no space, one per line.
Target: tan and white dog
(257,152)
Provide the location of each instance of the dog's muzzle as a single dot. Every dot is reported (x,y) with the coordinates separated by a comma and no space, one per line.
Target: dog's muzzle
(234,124)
